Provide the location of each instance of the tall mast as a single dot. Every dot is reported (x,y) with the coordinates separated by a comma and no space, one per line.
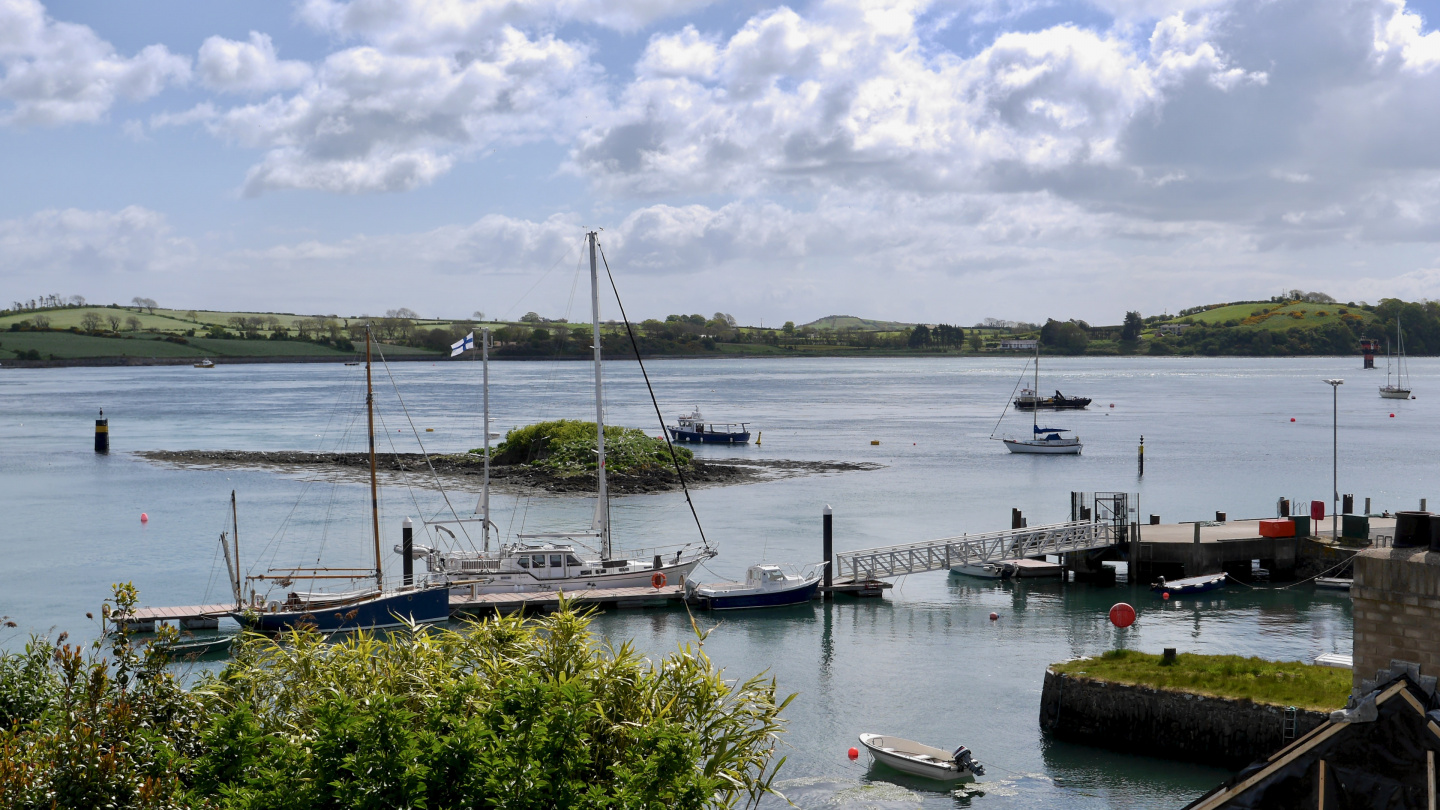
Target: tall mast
(485,428)
(235,525)
(1035,402)
(601,522)
(374,489)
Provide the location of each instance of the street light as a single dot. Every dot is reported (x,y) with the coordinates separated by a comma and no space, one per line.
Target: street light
(1335,457)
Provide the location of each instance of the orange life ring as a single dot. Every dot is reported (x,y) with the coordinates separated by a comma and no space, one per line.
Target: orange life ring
(658,580)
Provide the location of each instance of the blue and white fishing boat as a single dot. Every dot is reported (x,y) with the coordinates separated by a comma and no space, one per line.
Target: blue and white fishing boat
(356,608)
(693,428)
(765,585)
(1189,585)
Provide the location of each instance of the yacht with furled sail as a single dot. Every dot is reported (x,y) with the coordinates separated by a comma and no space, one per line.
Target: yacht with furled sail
(1400,389)
(361,604)
(565,560)
(1043,440)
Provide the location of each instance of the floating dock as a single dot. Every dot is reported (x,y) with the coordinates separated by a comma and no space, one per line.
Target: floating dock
(541,601)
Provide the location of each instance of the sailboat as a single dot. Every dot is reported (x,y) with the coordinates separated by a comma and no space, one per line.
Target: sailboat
(553,561)
(1401,388)
(1043,440)
(362,607)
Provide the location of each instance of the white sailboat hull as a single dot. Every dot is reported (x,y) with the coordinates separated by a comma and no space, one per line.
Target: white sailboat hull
(525,582)
(1391,392)
(1063,447)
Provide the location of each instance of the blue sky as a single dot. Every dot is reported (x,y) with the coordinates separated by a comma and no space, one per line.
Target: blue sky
(923,161)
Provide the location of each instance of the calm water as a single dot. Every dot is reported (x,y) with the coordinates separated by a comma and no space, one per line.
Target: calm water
(925,662)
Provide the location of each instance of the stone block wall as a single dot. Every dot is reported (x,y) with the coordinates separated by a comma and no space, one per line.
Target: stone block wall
(1397,609)
(1165,723)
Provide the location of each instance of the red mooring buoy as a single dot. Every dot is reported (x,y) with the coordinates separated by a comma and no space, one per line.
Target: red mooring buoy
(1122,615)
(994,616)
(1292,419)
(1165,596)
(854,753)
(144,518)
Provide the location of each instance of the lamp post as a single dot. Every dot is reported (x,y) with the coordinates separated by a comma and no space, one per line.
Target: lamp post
(1335,457)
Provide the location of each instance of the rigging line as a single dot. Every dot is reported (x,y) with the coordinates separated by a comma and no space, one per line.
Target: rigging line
(675,459)
(1012,397)
(423,451)
(516,305)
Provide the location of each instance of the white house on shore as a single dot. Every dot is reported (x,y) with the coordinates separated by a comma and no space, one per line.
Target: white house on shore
(1019,344)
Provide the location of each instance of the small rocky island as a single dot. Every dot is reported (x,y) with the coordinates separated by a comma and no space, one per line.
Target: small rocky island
(556,457)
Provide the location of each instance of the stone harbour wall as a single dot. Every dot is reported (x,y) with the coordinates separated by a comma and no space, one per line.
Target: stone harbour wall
(1396,596)
(1163,723)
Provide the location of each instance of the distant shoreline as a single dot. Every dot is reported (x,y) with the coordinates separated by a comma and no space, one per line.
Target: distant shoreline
(112,362)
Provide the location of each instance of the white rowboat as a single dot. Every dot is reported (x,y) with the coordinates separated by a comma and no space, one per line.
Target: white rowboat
(918,759)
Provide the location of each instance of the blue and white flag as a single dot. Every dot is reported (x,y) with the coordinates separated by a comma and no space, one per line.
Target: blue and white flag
(462,345)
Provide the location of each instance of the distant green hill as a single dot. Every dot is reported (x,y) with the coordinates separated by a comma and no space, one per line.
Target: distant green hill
(1279,317)
(838,322)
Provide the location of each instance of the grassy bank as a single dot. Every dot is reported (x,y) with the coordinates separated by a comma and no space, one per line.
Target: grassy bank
(1282,683)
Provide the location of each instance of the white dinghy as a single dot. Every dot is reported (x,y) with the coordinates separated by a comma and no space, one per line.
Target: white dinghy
(918,759)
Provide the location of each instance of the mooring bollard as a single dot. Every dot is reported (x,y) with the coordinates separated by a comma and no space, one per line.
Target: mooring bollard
(1219,517)
(102,433)
(1154,520)
(1169,657)
(1367,506)
(407,544)
(1197,531)
(1347,504)
(1016,519)
(827,546)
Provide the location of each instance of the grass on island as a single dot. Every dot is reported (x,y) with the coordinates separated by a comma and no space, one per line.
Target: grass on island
(566,447)
(1282,683)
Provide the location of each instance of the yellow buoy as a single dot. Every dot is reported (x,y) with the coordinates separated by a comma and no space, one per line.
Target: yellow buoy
(874,441)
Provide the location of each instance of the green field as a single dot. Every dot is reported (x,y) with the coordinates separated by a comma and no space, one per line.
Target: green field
(838,322)
(70,346)
(1282,683)
(1277,317)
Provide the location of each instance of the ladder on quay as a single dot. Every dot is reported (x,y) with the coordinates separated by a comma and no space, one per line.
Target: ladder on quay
(975,549)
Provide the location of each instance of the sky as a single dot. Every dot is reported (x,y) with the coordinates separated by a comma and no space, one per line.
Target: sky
(942,161)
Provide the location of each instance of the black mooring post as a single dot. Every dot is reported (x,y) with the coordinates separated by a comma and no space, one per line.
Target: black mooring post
(828,547)
(1142,455)
(407,543)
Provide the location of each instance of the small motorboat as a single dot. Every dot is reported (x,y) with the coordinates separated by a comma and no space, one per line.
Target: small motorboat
(692,427)
(1334,583)
(1029,400)
(1189,585)
(765,585)
(985,570)
(918,759)
(206,363)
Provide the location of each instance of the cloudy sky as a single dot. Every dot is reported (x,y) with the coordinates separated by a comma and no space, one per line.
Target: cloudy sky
(921,161)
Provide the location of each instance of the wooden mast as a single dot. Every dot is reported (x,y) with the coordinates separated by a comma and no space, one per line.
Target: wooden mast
(235,524)
(374,489)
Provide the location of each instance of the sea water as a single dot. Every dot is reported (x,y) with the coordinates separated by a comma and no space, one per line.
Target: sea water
(924,662)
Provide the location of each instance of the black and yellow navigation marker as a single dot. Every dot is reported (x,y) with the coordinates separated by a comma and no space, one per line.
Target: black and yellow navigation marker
(102,433)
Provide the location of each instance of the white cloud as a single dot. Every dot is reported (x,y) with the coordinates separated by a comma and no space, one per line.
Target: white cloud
(73,242)
(248,67)
(372,120)
(1397,33)
(55,73)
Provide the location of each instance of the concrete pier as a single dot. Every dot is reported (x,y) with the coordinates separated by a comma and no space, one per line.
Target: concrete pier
(1207,547)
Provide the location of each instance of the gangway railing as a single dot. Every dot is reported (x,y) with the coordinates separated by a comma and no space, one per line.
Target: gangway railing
(973,549)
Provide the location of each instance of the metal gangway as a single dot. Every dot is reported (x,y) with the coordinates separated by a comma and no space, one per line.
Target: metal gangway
(976,549)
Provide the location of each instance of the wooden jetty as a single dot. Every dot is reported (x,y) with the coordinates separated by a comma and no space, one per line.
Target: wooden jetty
(188,617)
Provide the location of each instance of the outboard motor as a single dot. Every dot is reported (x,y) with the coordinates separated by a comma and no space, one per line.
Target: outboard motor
(966,760)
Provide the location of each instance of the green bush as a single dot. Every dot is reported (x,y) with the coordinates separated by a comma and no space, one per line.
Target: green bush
(505,713)
(567,447)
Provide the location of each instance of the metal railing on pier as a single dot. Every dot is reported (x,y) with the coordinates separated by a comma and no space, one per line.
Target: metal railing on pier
(974,549)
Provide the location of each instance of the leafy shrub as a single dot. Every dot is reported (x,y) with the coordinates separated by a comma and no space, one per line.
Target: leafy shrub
(567,447)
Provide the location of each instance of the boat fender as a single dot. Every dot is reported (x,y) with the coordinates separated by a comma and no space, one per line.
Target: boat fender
(658,580)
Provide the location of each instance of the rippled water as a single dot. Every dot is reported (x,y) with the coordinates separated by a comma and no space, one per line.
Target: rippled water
(925,662)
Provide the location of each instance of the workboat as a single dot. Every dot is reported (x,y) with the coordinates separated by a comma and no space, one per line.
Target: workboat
(918,759)
(1189,585)
(365,603)
(1029,401)
(765,585)
(1043,441)
(206,363)
(693,428)
(1400,389)
(565,560)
